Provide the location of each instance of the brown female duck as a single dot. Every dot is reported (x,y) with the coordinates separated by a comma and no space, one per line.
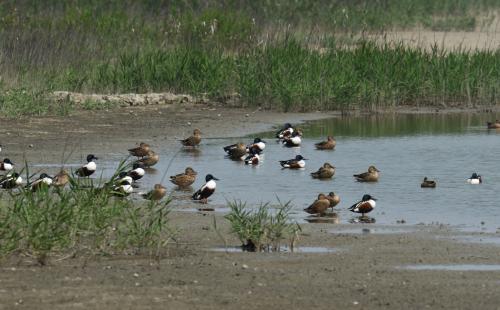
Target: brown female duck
(370,176)
(184,179)
(329,144)
(319,206)
(193,140)
(325,172)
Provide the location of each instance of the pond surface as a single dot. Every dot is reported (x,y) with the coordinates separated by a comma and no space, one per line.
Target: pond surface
(451,267)
(405,148)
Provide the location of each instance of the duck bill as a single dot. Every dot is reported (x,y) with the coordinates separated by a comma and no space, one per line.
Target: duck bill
(215,179)
(373,198)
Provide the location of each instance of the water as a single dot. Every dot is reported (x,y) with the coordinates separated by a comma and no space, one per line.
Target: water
(405,148)
(451,267)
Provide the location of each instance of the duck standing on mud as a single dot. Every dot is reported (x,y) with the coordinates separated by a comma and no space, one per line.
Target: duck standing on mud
(206,190)
(296,163)
(184,179)
(193,140)
(6,165)
(140,151)
(366,205)
(89,168)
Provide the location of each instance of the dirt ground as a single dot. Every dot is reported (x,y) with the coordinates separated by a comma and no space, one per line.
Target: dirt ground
(364,272)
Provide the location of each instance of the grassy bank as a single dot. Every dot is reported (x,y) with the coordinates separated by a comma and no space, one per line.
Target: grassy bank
(278,54)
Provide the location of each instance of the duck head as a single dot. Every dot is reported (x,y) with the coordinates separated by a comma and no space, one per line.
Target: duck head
(190,171)
(299,157)
(373,169)
(196,132)
(7,161)
(210,177)
(367,197)
(91,157)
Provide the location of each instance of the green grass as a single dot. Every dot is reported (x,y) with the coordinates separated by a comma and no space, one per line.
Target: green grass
(263,229)
(260,49)
(85,220)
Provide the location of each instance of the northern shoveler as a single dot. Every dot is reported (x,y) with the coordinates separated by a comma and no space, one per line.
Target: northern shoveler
(257,146)
(370,176)
(495,125)
(329,144)
(206,190)
(140,151)
(89,168)
(157,193)
(149,160)
(44,181)
(366,205)
(293,140)
(334,199)
(286,131)
(319,206)
(252,158)
(428,183)
(296,163)
(194,140)
(137,171)
(236,151)
(11,181)
(123,188)
(6,165)
(184,179)
(475,179)
(61,179)
(325,172)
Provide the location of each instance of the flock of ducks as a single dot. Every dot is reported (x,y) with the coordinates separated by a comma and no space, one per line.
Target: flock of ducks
(288,136)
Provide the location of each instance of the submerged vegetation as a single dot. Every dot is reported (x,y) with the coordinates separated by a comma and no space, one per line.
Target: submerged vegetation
(263,228)
(284,55)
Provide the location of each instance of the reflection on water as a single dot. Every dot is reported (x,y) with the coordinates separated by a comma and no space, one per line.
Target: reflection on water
(362,219)
(330,218)
(405,148)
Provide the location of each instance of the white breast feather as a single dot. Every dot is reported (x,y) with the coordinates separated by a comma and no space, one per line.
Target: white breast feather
(91,166)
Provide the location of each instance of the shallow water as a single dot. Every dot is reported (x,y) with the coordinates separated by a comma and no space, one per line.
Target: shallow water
(446,148)
(451,267)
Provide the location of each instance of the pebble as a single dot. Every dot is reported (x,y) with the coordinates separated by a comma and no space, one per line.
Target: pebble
(136,275)
(244,266)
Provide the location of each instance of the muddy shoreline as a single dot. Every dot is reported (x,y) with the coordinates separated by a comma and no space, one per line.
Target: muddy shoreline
(366,270)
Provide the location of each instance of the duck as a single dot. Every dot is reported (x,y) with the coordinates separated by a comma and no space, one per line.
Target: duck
(495,125)
(89,168)
(44,181)
(428,183)
(286,131)
(319,206)
(61,179)
(11,181)
(123,188)
(252,158)
(236,151)
(334,199)
(329,144)
(475,179)
(293,141)
(6,165)
(194,140)
(325,172)
(206,190)
(296,163)
(184,179)
(157,193)
(366,205)
(137,171)
(140,151)
(149,160)
(257,146)
(370,176)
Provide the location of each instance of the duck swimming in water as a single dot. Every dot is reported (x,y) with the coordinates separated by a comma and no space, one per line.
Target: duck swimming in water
(286,131)
(193,140)
(236,151)
(329,144)
(325,172)
(6,165)
(366,205)
(89,168)
(426,183)
(475,179)
(370,176)
(252,158)
(206,190)
(495,125)
(296,163)
(292,141)
(257,146)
